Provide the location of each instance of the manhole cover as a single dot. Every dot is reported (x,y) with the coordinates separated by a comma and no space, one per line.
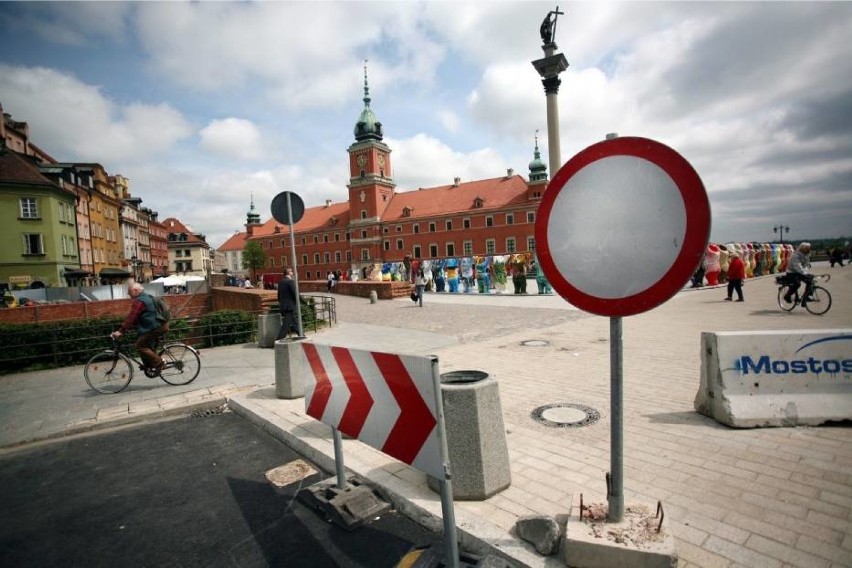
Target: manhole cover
(535,343)
(565,415)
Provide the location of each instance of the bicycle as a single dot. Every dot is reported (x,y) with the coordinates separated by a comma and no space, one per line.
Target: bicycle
(111,370)
(817,300)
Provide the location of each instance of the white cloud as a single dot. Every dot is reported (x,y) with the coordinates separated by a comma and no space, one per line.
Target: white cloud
(235,139)
(449,120)
(75,121)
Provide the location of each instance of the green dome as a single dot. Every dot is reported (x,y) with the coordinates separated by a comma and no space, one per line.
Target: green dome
(538,170)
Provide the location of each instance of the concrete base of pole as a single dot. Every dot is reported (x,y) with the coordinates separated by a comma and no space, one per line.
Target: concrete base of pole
(268,326)
(633,542)
(290,369)
(373,297)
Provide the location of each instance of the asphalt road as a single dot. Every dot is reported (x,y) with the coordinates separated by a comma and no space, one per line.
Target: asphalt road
(185,492)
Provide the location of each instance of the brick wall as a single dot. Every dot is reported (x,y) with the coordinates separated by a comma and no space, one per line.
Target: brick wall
(183,305)
(361,288)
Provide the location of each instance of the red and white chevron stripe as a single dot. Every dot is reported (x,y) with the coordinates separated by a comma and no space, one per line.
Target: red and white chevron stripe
(385,400)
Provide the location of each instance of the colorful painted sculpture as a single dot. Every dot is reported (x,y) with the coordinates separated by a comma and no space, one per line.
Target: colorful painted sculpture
(467,274)
(439,275)
(541,279)
(711,264)
(452,269)
(499,263)
(724,259)
(519,273)
(483,278)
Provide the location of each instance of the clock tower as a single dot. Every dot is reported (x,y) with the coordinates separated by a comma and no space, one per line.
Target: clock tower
(371,184)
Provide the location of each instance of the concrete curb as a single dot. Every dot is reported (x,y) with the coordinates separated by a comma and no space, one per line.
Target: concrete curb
(405,487)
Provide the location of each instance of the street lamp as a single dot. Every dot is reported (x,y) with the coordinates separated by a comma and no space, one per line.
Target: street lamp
(781,229)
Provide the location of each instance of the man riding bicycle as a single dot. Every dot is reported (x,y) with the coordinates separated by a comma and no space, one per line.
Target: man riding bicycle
(797,268)
(143,315)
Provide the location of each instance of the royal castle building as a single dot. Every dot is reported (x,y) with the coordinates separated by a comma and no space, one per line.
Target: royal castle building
(381,224)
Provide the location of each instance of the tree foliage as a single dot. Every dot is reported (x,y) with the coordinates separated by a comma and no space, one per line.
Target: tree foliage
(253,258)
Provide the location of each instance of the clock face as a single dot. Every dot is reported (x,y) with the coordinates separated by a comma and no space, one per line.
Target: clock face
(362,160)
(381,160)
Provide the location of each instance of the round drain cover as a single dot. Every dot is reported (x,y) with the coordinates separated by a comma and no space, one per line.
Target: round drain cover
(535,343)
(565,415)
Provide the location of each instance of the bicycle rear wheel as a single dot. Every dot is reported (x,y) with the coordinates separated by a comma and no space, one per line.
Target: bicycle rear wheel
(108,372)
(819,302)
(181,364)
(783,303)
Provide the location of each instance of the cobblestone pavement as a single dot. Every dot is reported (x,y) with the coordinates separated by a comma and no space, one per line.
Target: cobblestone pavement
(772,497)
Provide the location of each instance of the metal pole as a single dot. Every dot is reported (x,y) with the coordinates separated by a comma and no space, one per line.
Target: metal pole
(616,396)
(338,458)
(451,545)
(295,272)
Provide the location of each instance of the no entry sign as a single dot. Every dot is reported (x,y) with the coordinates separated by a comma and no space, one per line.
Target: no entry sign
(622,226)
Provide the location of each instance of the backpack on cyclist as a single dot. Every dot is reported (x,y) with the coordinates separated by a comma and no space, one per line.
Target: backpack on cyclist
(164,313)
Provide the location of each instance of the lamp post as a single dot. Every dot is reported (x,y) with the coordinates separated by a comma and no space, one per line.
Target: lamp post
(781,229)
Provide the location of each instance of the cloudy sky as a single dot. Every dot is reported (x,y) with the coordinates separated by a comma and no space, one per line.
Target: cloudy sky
(202,105)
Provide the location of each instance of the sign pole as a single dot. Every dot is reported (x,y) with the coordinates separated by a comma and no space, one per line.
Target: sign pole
(295,272)
(451,545)
(337,439)
(615,487)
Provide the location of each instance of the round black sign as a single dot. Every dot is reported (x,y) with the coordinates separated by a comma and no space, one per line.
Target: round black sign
(279,207)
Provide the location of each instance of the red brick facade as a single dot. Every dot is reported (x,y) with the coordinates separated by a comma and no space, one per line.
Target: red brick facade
(379,225)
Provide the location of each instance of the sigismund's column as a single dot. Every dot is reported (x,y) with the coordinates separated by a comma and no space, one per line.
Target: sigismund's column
(549,67)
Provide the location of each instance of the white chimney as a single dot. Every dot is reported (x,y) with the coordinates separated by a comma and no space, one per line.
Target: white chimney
(510,172)
(328,202)
(456,181)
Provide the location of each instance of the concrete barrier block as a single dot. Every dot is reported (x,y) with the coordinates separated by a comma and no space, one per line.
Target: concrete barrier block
(291,368)
(476,436)
(776,378)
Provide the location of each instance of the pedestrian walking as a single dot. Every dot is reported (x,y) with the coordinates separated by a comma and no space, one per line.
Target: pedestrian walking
(736,273)
(287,299)
(419,286)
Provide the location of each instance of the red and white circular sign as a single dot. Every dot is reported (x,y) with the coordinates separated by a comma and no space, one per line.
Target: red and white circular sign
(622,226)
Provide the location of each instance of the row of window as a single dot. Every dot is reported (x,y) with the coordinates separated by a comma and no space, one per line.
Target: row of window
(415,229)
(417,252)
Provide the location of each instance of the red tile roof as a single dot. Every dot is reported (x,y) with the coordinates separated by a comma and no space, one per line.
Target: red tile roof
(15,168)
(449,199)
(314,219)
(438,201)
(172,225)
(235,243)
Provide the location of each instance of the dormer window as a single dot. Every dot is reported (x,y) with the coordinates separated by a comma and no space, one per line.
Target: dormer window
(406,211)
(478,203)
(332,222)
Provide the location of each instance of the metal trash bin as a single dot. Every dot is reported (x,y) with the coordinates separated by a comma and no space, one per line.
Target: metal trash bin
(268,326)
(476,436)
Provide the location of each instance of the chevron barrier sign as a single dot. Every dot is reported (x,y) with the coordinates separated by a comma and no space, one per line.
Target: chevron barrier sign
(385,400)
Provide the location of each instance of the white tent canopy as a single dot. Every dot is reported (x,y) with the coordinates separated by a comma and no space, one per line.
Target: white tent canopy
(170,281)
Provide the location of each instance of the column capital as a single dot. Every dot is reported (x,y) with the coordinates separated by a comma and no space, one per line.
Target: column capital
(551,85)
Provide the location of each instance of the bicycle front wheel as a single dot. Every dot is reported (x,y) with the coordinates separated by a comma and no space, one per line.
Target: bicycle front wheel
(819,302)
(181,364)
(108,372)
(782,301)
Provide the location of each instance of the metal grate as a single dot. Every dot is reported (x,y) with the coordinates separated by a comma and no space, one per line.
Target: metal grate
(214,411)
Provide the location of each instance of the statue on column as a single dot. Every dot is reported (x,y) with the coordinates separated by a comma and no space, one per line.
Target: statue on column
(548,26)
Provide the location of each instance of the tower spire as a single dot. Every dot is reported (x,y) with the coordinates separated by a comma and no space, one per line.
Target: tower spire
(366,86)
